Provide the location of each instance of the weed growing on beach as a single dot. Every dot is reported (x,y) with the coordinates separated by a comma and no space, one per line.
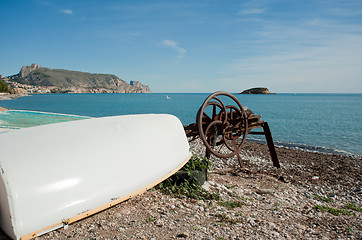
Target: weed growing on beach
(354,207)
(239,214)
(247,199)
(151,219)
(223,218)
(196,163)
(334,211)
(276,206)
(323,199)
(230,204)
(230,186)
(190,187)
(186,189)
(210,205)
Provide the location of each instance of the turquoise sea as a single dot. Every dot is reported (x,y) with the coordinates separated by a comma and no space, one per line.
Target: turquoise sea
(316,122)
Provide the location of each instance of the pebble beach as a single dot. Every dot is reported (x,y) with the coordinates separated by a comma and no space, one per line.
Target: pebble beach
(312,196)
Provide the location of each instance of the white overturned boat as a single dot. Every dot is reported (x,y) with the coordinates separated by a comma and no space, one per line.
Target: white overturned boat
(57,174)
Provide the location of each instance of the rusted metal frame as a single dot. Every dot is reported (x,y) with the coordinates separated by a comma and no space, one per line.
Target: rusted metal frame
(191,131)
(222,118)
(232,119)
(271,146)
(270,143)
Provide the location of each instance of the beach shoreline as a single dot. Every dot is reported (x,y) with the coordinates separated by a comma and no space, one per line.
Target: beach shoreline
(8,96)
(298,201)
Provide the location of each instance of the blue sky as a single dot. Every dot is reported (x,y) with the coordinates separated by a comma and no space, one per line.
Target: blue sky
(191,46)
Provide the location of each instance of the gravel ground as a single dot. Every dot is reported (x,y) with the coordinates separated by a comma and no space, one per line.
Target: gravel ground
(312,196)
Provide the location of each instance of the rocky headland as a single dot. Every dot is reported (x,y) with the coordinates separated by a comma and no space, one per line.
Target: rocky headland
(37,79)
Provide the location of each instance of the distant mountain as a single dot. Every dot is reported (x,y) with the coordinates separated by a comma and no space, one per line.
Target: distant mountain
(258,90)
(76,82)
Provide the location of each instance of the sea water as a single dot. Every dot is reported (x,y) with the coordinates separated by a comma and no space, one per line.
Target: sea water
(317,122)
(15,119)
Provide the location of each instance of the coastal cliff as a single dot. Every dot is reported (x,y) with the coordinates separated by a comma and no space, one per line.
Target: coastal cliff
(258,90)
(66,81)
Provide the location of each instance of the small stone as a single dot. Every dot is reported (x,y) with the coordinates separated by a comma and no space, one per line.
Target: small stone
(300,227)
(206,186)
(182,235)
(239,191)
(159,223)
(124,211)
(264,191)
(212,183)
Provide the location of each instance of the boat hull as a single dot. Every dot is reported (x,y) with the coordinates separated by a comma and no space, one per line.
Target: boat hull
(56,174)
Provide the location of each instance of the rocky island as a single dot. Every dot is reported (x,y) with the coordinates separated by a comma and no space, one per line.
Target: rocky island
(258,90)
(37,79)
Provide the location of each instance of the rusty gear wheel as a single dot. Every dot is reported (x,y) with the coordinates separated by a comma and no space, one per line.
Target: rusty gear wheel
(222,127)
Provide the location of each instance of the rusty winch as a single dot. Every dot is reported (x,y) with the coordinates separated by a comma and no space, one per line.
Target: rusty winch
(223,128)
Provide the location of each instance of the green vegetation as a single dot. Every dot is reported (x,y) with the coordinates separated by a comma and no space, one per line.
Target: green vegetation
(348,230)
(230,186)
(66,79)
(190,186)
(230,204)
(3,86)
(337,211)
(151,219)
(323,199)
(223,218)
(276,205)
(354,207)
(332,210)
(196,163)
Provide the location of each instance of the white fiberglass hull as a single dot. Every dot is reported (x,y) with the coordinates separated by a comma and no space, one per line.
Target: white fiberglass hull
(59,173)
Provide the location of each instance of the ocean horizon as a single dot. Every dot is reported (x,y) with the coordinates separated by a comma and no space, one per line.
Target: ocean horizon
(321,122)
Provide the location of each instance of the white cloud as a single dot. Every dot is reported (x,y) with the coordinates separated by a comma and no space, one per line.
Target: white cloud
(251,11)
(174,45)
(66,11)
(334,67)
(253,7)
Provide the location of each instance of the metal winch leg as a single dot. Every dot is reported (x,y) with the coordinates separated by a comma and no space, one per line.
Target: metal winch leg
(271,146)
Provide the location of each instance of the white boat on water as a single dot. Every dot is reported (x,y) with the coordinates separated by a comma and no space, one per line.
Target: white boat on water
(56,174)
